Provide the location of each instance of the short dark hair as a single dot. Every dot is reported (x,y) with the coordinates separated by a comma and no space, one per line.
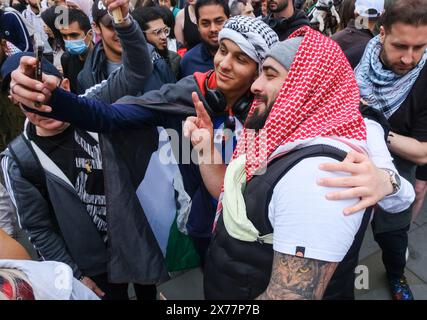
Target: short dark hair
(49,16)
(144,3)
(168,19)
(412,12)
(203,3)
(144,15)
(76,15)
(234,8)
(346,12)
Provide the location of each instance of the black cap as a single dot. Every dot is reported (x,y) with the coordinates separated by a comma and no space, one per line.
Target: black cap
(100,13)
(12,63)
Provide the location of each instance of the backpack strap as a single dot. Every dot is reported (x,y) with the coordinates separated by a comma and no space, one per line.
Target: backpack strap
(260,189)
(28,163)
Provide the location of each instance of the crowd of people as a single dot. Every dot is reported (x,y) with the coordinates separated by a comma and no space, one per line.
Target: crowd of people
(241,137)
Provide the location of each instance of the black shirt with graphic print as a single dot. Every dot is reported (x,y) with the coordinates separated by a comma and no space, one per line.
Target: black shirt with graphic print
(77,154)
(411,118)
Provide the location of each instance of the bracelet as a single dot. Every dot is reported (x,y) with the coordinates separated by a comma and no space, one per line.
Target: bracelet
(124,19)
(82,277)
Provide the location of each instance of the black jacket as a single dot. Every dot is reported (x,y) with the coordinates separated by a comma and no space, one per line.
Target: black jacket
(237,269)
(285,27)
(352,36)
(135,76)
(61,229)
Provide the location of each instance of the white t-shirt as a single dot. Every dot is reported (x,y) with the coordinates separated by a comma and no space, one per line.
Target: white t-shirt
(304,220)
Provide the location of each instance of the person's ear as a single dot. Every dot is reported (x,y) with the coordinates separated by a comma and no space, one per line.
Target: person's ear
(65,84)
(382,35)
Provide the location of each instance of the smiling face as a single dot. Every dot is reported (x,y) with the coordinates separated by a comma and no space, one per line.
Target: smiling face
(211,20)
(235,71)
(266,90)
(403,46)
(110,40)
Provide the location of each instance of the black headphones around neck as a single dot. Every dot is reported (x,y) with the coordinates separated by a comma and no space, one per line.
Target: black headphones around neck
(217,103)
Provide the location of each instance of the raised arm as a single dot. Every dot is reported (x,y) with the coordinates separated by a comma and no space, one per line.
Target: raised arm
(165,107)
(136,69)
(368,180)
(97,116)
(200,131)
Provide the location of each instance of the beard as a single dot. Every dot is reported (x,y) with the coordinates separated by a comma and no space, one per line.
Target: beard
(164,53)
(211,48)
(19,7)
(394,66)
(257,120)
(281,5)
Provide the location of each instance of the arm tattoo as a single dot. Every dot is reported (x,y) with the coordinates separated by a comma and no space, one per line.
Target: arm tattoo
(295,278)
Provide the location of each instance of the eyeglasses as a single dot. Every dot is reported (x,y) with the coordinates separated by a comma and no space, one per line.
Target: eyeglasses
(158,32)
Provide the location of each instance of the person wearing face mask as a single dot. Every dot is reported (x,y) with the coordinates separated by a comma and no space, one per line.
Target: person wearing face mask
(78,46)
(78,43)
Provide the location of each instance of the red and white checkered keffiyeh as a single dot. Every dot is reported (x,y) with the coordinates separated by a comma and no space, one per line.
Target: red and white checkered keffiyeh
(320,98)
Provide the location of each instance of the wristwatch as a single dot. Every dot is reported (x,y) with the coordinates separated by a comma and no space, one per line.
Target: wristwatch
(394,180)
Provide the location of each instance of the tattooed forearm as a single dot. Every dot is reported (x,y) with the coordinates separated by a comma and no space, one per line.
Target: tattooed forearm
(295,278)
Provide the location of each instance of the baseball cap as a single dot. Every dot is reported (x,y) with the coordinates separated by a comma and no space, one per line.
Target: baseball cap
(12,63)
(369,8)
(100,13)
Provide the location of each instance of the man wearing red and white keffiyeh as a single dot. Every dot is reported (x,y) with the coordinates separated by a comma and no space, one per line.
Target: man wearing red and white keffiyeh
(306,96)
(320,98)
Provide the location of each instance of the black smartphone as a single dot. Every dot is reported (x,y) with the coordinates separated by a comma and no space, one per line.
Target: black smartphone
(38,49)
(39,55)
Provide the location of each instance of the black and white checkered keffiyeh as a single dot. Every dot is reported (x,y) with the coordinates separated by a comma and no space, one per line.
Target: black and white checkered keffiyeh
(252,35)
